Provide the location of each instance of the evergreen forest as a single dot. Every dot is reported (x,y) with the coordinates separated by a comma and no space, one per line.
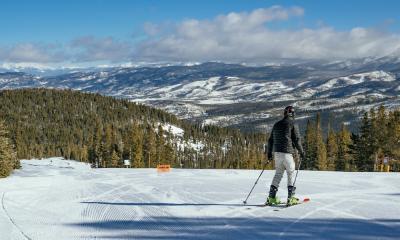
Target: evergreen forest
(105,131)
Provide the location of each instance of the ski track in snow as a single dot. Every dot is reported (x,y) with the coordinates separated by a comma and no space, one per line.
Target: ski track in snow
(309,214)
(59,199)
(11,220)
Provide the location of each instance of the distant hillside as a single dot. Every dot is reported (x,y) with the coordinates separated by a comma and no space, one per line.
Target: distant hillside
(105,130)
(245,97)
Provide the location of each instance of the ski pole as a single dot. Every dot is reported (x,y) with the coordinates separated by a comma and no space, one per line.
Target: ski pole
(298,168)
(245,201)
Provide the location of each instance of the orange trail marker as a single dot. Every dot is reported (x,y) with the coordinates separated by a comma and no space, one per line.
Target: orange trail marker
(163,168)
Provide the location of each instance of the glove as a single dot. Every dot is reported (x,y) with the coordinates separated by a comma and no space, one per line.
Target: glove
(269,156)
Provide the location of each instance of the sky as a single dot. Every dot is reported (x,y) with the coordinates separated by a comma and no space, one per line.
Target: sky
(113,32)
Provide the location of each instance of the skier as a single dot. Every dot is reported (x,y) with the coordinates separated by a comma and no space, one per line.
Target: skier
(283,139)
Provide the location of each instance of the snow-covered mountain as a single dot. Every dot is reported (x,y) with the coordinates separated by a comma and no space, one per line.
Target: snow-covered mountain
(233,94)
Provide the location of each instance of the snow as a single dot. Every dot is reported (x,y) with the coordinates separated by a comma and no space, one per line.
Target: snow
(178,134)
(381,76)
(302,83)
(329,103)
(176,131)
(185,110)
(226,120)
(216,91)
(216,101)
(328,84)
(373,76)
(86,78)
(59,199)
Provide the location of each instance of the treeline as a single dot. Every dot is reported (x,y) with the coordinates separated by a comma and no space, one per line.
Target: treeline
(378,137)
(105,131)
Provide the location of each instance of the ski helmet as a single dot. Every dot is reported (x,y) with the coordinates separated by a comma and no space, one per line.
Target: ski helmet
(289,111)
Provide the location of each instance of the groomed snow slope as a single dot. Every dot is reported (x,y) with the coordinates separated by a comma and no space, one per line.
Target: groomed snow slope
(58,199)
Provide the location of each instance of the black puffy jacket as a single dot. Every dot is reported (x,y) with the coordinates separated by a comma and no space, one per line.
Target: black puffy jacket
(284,138)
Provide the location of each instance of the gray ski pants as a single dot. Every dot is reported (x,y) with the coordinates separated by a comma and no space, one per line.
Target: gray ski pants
(283,161)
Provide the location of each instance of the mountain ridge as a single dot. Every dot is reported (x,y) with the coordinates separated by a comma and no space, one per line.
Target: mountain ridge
(200,92)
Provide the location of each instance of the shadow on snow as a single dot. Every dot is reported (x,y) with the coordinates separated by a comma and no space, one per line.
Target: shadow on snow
(173,204)
(161,227)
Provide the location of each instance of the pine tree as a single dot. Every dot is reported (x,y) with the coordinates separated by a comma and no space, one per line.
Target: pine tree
(114,159)
(137,146)
(382,132)
(19,144)
(97,147)
(8,159)
(84,156)
(393,137)
(310,146)
(150,146)
(344,158)
(170,149)
(364,146)
(314,146)
(160,142)
(320,146)
(331,149)
(102,153)
(169,153)
(107,145)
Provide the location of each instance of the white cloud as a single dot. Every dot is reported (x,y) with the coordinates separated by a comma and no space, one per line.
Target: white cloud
(32,52)
(79,50)
(246,36)
(233,37)
(92,49)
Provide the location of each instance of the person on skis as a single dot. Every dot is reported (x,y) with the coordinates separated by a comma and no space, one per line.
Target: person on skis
(284,138)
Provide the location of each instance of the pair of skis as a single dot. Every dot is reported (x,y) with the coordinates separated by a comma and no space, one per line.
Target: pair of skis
(283,205)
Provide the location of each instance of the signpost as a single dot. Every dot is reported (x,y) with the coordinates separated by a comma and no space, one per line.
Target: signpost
(127,163)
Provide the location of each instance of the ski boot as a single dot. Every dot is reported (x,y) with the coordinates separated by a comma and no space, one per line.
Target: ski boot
(272,200)
(291,199)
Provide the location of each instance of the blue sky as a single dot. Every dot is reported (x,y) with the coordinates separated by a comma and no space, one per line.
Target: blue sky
(38,26)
